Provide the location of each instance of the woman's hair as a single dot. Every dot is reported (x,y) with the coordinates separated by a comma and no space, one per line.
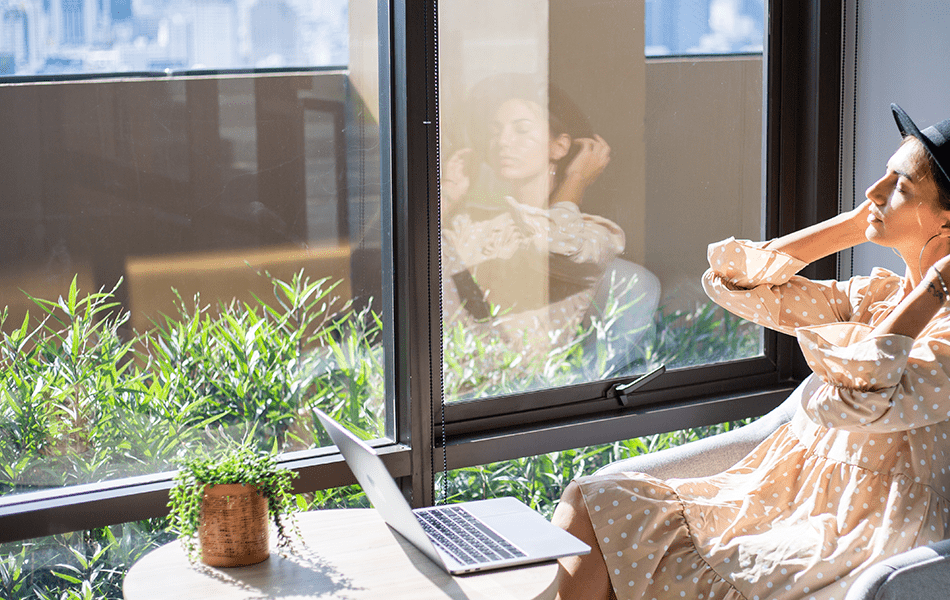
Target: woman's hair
(930,171)
(564,116)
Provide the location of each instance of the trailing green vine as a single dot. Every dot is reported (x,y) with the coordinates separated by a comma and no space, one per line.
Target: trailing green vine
(233,462)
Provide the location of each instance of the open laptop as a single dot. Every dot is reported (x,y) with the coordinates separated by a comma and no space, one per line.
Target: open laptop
(462,538)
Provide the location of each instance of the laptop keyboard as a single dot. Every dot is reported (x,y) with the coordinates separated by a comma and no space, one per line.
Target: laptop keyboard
(460,534)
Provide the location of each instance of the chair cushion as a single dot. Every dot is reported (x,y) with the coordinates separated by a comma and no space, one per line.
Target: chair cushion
(710,455)
(921,573)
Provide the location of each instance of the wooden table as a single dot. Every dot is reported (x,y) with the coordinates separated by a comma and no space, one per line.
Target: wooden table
(348,554)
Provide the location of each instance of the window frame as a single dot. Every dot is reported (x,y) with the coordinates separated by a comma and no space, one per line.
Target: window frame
(802,129)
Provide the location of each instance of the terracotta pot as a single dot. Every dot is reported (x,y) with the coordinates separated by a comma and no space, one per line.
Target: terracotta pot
(233,531)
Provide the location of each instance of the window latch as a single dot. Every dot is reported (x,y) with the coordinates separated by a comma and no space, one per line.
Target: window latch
(621,391)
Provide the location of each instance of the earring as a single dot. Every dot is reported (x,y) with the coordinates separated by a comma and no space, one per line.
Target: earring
(553,170)
(921,256)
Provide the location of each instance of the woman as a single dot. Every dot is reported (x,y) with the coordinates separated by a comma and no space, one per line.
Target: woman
(525,266)
(859,474)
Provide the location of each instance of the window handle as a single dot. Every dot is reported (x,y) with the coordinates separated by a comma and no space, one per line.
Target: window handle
(622,391)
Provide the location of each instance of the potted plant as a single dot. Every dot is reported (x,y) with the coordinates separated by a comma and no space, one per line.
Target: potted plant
(223,499)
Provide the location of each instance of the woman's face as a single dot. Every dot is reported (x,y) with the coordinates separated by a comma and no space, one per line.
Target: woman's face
(520,140)
(905,210)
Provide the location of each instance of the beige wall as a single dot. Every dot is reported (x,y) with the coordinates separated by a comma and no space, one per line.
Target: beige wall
(218,276)
(364,53)
(478,38)
(703,165)
(597,58)
(685,133)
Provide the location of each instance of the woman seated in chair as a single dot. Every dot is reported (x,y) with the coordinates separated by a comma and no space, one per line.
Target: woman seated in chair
(528,250)
(860,473)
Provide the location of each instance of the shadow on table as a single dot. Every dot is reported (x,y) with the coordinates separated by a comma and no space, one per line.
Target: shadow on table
(302,573)
(429,569)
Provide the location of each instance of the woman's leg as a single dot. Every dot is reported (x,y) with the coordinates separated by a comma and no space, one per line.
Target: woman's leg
(580,577)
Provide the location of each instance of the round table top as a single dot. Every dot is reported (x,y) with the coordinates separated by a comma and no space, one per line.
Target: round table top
(349,554)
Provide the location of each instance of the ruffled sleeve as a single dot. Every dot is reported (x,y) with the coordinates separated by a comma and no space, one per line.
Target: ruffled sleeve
(580,245)
(745,264)
(761,285)
(882,383)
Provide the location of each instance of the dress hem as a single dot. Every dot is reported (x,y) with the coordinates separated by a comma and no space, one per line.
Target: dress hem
(692,542)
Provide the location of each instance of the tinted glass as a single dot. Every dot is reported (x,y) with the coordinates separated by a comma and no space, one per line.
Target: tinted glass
(187,259)
(590,153)
(56,37)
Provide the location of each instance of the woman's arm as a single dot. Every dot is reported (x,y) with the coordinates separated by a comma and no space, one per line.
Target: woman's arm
(757,281)
(824,239)
(921,304)
(578,246)
(847,230)
(584,169)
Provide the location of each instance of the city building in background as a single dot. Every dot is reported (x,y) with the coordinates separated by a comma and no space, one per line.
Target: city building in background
(52,37)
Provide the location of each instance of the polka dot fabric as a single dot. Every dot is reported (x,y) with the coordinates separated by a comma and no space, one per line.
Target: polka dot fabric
(858,475)
(786,522)
(555,256)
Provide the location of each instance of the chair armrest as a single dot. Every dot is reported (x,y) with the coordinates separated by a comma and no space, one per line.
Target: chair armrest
(921,573)
(710,455)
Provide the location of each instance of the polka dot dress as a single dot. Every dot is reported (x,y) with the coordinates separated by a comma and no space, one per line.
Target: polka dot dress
(859,474)
(539,266)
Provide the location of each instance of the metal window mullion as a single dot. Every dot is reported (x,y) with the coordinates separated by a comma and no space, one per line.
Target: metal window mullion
(416,226)
(88,506)
(505,443)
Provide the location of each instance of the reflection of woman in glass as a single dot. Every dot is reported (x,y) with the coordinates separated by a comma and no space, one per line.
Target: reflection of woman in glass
(859,474)
(525,266)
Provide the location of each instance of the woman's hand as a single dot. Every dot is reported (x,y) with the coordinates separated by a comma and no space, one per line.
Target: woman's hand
(583,170)
(455,179)
(858,216)
(590,161)
(923,302)
(940,280)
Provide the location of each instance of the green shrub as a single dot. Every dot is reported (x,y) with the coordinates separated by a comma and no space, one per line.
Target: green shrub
(82,400)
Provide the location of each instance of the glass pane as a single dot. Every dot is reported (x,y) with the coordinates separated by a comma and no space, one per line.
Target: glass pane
(186,259)
(583,177)
(540,480)
(43,37)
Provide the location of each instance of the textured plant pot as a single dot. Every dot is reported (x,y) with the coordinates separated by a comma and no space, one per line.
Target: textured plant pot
(233,530)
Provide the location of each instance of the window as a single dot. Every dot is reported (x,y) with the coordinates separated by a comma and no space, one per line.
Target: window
(574,169)
(240,139)
(73,37)
(186,256)
(580,162)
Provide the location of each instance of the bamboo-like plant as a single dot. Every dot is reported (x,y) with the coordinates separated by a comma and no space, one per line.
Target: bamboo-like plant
(82,401)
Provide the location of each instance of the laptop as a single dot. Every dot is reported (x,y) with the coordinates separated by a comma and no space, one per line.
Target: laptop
(462,538)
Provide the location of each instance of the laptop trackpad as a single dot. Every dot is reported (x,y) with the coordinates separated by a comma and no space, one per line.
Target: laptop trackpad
(525,528)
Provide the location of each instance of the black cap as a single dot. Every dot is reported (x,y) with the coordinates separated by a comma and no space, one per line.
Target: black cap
(936,140)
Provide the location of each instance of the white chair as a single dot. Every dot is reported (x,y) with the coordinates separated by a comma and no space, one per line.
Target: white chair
(628,295)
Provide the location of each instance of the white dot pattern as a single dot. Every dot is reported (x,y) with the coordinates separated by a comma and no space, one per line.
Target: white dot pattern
(791,517)
(524,244)
(860,474)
